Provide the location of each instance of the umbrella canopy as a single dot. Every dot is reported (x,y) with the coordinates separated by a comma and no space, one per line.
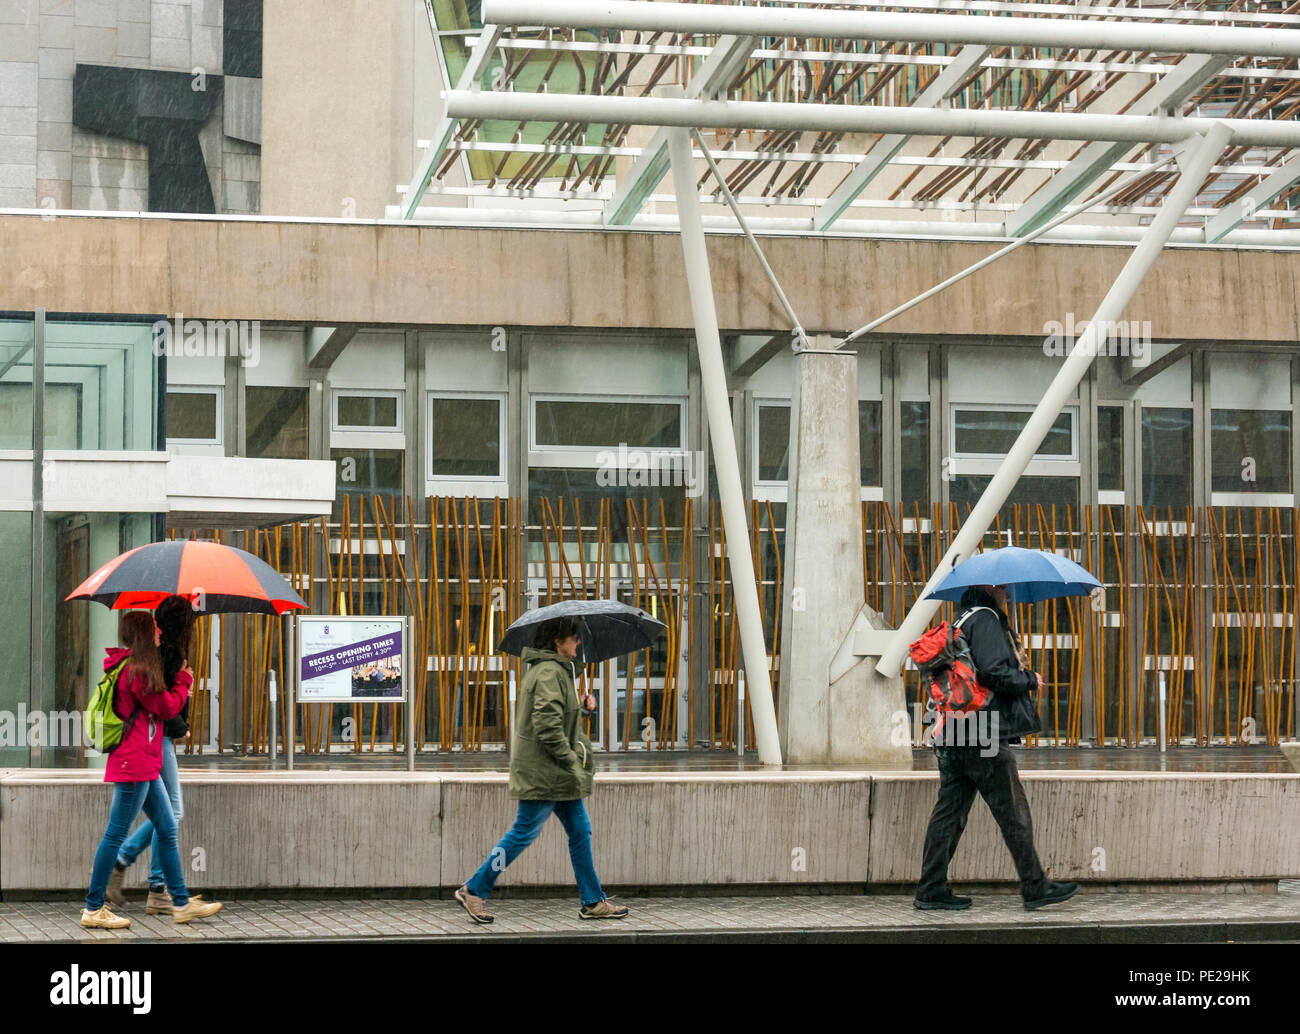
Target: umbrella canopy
(607,628)
(221,579)
(1030,575)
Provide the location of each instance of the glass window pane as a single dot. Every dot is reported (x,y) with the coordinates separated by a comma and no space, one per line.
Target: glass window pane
(367,411)
(101,385)
(16,620)
(1250,450)
(276,423)
(1166,458)
(603,424)
(1110,448)
(192,415)
(773,442)
(465,437)
(1029,491)
(16,384)
(915,429)
(367,472)
(990,432)
(869,442)
(584,488)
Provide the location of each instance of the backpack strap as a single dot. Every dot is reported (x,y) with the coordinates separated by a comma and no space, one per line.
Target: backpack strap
(129,721)
(973,610)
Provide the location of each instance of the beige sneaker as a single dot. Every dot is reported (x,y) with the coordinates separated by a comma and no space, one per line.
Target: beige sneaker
(475,906)
(602,910)
(102,918)
(114,891)
(195,908)
(159,902)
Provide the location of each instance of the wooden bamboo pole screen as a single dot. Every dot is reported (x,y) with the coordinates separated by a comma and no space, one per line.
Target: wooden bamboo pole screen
(1208,595)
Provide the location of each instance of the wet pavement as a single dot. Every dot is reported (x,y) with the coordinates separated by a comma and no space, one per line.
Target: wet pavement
(1181,758)
(1093,916)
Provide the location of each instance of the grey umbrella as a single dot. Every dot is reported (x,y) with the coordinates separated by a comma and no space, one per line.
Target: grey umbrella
(608,628)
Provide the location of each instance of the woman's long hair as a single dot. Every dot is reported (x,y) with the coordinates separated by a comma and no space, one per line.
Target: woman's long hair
(135,629)
(175,618)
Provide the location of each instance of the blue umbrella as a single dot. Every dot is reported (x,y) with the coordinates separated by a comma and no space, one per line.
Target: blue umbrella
(1030,575)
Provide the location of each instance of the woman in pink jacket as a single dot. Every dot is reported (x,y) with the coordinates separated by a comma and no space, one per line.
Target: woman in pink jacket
(143,702)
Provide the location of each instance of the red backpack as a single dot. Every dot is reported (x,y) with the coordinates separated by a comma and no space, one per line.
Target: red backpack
(943,657)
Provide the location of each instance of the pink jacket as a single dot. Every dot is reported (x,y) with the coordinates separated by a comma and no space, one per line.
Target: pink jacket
(138,758)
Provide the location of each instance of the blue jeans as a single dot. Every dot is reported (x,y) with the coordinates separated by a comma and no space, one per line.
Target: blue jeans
(528,825)
(145,834)
(128,799)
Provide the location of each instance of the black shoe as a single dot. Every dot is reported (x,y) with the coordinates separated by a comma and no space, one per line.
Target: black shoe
(1051,893)
(950,902)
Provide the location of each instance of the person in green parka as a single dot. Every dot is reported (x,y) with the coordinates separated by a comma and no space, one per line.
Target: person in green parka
(551,767)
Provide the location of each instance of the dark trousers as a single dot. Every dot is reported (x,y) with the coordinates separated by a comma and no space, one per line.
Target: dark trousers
(962,774)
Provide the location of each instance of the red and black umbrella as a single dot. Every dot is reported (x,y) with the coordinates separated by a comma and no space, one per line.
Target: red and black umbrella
(219,579)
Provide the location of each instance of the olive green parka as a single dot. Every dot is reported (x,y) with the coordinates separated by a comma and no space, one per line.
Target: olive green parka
(551,757)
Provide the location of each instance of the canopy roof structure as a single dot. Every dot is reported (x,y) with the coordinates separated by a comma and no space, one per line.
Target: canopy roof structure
(985,117)
(1160,124)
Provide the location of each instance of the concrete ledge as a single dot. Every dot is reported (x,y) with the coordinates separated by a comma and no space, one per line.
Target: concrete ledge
(1107,826)
(280,830)
(676,830)
(265,830)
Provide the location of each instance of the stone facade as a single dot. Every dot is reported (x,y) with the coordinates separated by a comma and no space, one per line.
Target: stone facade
(47,161)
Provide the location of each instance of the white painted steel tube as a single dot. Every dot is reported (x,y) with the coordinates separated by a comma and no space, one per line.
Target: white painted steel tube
(716,19)
(1058,393)
(859,118)
(722,437)
(561,219)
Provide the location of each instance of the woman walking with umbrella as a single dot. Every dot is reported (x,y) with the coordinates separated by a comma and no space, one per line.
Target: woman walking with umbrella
(175,620)
(551,767)
(144,701)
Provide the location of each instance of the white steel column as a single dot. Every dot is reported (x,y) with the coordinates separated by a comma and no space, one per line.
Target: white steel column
(1201,155)
(722,436)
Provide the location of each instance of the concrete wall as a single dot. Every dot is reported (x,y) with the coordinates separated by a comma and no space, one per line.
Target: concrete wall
(336,130)
(427,830)
(392,273)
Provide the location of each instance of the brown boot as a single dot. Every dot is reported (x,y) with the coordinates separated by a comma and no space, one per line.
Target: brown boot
(195,908)
(114,891)
(602,910)
(158,903)
(475,906)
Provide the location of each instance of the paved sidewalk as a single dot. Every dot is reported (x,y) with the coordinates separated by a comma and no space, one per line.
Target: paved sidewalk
(1090,917)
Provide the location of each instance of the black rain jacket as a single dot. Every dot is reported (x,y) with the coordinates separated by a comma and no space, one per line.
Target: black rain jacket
(989,636)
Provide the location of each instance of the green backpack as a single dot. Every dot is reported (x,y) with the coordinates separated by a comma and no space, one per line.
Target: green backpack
(104,729)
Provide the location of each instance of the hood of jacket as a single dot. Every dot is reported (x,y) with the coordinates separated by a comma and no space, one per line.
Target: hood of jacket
(115,655)
(532,655)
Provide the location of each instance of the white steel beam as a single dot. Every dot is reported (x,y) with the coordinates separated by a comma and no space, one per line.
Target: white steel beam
(1248,206)
(442,134)
(1166,96)
(722,440)
(937,91)
(719,68)
(1194,170)
(1024,125)
(716,19)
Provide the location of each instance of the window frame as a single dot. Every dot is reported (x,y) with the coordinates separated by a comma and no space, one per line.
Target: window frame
(590,455)
(500,398)
(215,390)
(982,464)
(779,491)
(377,393)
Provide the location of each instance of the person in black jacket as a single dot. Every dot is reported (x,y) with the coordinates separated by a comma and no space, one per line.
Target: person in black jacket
(989,768)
